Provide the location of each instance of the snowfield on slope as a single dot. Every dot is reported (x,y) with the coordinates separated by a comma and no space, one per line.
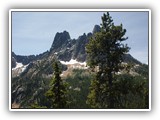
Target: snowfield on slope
(19,67)
(72,61)
(73,64)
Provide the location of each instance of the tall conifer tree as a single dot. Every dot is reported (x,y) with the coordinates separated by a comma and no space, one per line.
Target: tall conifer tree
(57,92)
(105,53)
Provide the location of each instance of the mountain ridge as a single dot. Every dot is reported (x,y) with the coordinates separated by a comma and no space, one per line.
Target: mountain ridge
(64,48)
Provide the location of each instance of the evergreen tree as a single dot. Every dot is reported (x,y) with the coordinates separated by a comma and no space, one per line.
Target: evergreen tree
(105,52)
(57,92)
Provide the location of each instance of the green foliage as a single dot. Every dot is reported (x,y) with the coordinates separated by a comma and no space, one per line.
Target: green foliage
(128,92)
(143,70)
(107,46)
(78,83)
(105,51)
(56,95)
(36,106)
(131,92)
(97,91)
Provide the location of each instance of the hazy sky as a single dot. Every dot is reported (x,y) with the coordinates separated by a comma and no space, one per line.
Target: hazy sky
(33,32)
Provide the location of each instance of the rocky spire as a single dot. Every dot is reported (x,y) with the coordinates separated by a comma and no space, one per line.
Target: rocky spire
(60,39)
(96,29)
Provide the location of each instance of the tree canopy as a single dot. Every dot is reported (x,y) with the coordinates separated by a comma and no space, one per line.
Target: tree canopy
(57,92)
(105,52)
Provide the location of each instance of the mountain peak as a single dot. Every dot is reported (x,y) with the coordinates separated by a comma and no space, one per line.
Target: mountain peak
(96,29)
(60,39)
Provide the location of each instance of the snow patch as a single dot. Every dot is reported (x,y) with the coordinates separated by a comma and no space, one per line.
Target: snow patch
(75,64)
(55,53)
(72,61)
(18,65)
(24,67)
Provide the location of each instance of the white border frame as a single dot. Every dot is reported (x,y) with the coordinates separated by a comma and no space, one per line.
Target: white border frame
(81,10)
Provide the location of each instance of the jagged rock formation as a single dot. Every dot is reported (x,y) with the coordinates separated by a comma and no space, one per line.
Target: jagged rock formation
(66,48)
(63,48)
(79,50)
(23,59)
(60,41)
(13,62)
(96,29)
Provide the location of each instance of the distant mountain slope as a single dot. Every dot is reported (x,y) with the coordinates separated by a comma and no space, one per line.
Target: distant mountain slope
(64,49)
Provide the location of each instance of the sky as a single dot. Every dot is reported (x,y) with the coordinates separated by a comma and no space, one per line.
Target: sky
(33,32)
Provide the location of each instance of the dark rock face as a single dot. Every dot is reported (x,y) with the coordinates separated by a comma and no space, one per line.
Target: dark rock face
(66,48)
(22,59)
(17,94)
(79,51)
(65,56)
(25,59)
(89,35)
(13,62)
(96,29)
(60,41)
